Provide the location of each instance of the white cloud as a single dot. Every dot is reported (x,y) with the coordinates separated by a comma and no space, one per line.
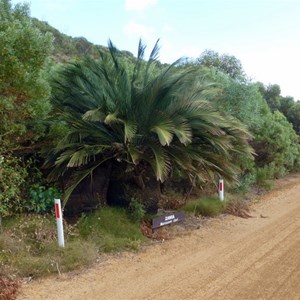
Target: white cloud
(133,29)
(138,5)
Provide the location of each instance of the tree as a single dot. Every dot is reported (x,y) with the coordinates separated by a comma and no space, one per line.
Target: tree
(225,63)
(293,115)
(286,103)
(23,98)
(143,125)
(276,145)
(242,100)
(272,95)
(23,90)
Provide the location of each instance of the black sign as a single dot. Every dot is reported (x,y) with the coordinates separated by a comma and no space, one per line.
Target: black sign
(168,219)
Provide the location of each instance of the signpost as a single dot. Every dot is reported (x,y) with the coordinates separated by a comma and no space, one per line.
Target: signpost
(59,223)
(167,219)
(221,189)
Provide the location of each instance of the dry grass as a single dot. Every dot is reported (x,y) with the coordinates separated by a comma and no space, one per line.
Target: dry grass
(8,289)
(28,245)
(238,207)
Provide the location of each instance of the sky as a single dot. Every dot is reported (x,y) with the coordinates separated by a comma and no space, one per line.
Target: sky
(263,34)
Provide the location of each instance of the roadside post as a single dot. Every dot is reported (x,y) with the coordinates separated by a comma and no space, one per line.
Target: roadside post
(221,190)
(59,223)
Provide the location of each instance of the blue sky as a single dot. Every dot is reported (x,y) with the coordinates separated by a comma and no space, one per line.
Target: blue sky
(263,34)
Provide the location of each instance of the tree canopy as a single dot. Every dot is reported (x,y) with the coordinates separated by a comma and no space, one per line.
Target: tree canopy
(225,63)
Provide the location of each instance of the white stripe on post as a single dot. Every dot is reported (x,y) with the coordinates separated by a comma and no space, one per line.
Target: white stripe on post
(221,189)
(59,223)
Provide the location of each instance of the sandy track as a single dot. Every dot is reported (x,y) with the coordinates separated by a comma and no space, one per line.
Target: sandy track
(229,258)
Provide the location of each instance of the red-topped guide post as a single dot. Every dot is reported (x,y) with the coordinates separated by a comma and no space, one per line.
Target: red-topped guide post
(221,189)
(59,223)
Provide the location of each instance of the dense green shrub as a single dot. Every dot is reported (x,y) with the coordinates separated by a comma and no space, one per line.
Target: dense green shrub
(263,177)
(136,210)
(12,179)
(41,199)
(276,145)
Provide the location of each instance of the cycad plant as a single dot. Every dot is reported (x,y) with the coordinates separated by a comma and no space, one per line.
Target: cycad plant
(145,122)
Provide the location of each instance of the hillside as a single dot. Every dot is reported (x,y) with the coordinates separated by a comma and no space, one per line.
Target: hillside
(67,47)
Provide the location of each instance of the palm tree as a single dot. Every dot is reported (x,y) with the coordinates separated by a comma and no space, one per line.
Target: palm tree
(143,122)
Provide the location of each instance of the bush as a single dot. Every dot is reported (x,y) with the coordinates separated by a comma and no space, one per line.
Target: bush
(208,207)
(246,182)
(41,199)
(12,179)
(136,210)
(263,177)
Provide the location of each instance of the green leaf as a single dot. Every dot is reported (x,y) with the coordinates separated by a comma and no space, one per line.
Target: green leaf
(94,115)
(130,129)
(164,135)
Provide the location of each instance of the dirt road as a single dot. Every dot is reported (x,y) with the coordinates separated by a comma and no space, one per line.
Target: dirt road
(229,258)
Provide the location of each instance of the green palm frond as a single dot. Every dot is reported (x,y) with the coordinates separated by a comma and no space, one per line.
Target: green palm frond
(143,114)
(134,154)
(94,115)
(160,162)
(112,118)
(165,136)
(130,129)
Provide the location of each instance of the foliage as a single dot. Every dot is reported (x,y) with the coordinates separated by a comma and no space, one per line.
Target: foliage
(275,142)
(272,95)
(286,103)
(227,64)
(65,47)
(41,199)
(293,115)
(136,210)
(24,102)
(23,91)
(241,100)
(145,120)
(110,229)
(264,176)
(276,145)
(208,207)
(12,179)
(246,181)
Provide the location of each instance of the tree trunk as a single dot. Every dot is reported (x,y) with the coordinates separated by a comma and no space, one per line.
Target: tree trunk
(91,192)
(141,185)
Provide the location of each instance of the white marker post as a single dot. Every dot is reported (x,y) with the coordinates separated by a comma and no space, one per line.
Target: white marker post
(221,189)
(59,223)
